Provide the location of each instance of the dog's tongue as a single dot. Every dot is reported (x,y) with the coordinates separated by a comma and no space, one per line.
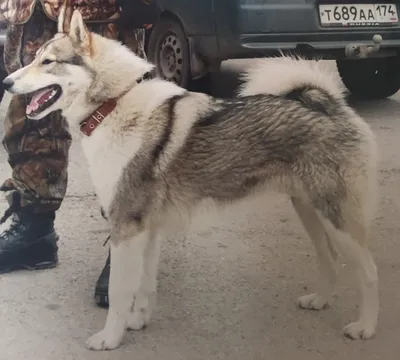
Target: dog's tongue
(38,99)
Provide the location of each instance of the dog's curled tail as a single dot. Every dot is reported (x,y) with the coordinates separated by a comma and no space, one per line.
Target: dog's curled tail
(310,82)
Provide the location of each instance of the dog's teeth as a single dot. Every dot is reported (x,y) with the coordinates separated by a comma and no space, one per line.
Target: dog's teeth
(53,92)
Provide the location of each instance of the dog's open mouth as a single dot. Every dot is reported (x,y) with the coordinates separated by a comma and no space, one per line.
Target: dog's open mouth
(42,99)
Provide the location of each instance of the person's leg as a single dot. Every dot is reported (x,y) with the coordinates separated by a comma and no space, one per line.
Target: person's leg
(38,156)
(135,41)
(3,74)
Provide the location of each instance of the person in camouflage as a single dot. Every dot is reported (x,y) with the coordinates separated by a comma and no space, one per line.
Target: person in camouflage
(38,150)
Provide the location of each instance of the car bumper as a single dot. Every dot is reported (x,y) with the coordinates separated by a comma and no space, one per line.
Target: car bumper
(328,44)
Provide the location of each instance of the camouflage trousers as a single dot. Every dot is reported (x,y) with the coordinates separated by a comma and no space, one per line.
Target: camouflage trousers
(38,150)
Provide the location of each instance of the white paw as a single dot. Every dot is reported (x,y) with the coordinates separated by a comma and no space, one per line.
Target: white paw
(312,302)
(358,330)
(103,340)
(138,320)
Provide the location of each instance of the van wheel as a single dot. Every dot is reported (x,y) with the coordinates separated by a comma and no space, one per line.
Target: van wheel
(168,50)
(374,78)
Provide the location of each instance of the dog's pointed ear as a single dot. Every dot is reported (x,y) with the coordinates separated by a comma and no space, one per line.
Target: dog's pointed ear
(60,20)
(78,31)
(64,17)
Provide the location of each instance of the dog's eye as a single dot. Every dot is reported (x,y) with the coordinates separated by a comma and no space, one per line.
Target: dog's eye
(47,61)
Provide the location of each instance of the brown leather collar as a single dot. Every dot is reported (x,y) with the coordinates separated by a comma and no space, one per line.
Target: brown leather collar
(93,121)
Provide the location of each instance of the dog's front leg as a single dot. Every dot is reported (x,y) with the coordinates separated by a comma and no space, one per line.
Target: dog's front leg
(145,298)
(125,277)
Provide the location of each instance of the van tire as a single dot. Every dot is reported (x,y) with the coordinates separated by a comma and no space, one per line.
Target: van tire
(168,50)
(372,78)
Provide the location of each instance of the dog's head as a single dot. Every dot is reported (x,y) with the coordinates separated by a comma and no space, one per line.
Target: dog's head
(60,72)
(75,71)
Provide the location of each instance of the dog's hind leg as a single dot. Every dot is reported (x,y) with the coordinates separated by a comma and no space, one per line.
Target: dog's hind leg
(145,298)
(326,257)
(351,242)
(127,251)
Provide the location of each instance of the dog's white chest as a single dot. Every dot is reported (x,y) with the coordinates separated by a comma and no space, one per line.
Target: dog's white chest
(107,158)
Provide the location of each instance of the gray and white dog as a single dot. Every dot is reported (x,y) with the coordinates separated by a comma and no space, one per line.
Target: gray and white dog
(156,152)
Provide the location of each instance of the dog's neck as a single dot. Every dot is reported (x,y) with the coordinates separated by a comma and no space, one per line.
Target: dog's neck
(90,124)
(94,112)
(117,71)
(78,111)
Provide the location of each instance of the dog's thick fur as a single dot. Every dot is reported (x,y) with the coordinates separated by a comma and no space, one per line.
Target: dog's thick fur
(164,151)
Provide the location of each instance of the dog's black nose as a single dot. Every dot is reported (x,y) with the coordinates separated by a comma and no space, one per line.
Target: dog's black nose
(8,83)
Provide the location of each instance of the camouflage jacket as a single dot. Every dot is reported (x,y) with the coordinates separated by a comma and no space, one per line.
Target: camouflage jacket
(19,11)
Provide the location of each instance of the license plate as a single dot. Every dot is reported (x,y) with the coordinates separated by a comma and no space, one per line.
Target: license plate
(358,15)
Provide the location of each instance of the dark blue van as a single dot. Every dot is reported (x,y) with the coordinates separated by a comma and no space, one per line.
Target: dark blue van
(194,36)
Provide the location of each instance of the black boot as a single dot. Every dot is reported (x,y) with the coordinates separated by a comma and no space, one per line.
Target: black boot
(101,291)
(29,243)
